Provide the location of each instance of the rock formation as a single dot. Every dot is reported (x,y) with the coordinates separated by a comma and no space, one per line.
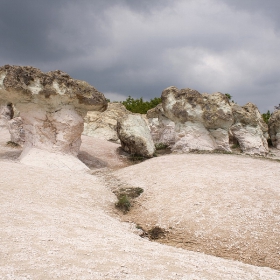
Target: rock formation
(201,121)
(52,106)
(187,120)
(249,129)
(162,129)
(104,124)
(16,130)
(6,113)
(274,128)
(135,136)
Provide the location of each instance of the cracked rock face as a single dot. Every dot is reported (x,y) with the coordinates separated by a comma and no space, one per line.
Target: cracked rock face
(52,106)
(274,128)
(135,136)
(249,129)
(202,121)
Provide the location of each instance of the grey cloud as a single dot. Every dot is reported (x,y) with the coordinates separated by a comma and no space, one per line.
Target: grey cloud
(24,29)
(138,48)
(268,8)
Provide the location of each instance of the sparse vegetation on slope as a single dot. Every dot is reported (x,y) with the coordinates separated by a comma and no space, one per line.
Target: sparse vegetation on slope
(125,197)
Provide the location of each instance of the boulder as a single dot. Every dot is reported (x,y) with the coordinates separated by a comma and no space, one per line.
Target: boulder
(16,130)
(52,106)
(135,136)
(249,129)
(162,129)
(103,125)
(274,128)
(202,121)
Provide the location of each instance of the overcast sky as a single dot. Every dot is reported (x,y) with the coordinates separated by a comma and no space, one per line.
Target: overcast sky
(140,47)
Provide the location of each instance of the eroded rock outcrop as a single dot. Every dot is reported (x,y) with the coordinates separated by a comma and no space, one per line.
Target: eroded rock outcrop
(135,136)
(202,121)
(16,130)
(187,120)
(104,124)
(6,113)
(52,106)
(274,128)
(162,129)
(249,129)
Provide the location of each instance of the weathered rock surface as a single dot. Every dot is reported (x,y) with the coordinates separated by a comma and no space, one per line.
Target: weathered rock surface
(162,129)
(104,124)
(52,106)
(274,128)
(6,113)
(16,130)
(202,121)
(249,129)
(135,136)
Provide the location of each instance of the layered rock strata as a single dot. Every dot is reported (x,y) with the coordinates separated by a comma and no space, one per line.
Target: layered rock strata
(274,128)
(104,124)
(52,106)
(135,136)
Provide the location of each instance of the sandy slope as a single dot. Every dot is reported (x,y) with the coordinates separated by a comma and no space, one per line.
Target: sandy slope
(223,205)
(60,225)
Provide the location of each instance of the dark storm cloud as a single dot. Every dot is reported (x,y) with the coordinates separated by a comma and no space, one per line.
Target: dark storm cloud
(24,29)
(138,48)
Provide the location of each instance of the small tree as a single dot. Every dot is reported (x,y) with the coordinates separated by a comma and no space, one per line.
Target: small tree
(228,96)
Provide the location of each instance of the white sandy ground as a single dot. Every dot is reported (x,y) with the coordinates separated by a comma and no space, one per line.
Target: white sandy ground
(58,224)
(223,205)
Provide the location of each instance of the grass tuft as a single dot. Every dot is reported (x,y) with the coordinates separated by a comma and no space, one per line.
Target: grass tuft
(123,203)
(125,197)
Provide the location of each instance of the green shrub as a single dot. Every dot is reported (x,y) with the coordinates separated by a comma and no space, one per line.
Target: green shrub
(123,203)
(266,116)
(124,196)
(139,105)
(228,96)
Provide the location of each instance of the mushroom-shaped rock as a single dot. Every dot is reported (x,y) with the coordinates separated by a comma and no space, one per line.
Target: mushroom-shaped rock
(249,129)
(135,136)
(274,128)
(202,120)
(162,129)
(52,107)
(104,124)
